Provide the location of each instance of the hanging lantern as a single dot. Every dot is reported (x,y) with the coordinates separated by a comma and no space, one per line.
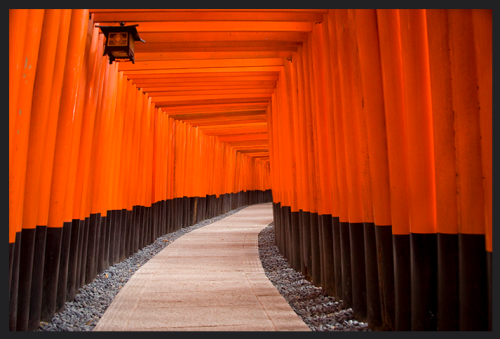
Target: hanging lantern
(120,41)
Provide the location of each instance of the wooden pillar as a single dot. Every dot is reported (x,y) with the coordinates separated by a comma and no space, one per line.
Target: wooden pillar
(392,77)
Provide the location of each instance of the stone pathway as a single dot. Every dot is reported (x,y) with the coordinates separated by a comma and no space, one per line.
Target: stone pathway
(210,279)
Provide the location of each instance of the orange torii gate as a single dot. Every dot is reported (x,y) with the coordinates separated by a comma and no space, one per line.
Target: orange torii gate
(371,127)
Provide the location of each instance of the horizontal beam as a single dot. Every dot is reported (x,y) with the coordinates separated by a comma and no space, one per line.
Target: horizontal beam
(210,92)
(245,137)
(223,124)
(216,46)
(207,70)
(222,108)
(195,55)
(204,87)
(236,131)
(207,63)
(215,115)
(159,15)
(261,96)
(222,36)
(183,103)
(222,26)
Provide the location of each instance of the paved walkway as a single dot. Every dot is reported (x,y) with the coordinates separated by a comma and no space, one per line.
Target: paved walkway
(210,279)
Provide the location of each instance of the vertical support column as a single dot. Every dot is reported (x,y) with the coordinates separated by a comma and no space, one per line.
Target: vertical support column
(304,214)
(315,272)
(378,238)
(62,154)
(19,149)
(483,46)
(392,77)
(341,259)
(445,174)
(422,189)
(471,211)
(39,73)
(332,220)
(347,54)
(46,171)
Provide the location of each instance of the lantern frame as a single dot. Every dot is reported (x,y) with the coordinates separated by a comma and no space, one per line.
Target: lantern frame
(119,42)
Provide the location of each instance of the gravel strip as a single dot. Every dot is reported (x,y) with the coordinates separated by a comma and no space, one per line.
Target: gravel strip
(93,299)
(317,309)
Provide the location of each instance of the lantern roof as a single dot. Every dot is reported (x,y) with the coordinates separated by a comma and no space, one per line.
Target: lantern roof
(130,29)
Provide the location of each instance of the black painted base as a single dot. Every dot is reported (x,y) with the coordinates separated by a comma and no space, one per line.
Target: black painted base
(402,282)
(385,265)
(447,282)
(51,272)
(357,246)
(25,273)
(373,312)
(37,278)
(472,275)
(423,282)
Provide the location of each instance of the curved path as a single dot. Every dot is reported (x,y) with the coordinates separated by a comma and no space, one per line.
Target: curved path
(210,279)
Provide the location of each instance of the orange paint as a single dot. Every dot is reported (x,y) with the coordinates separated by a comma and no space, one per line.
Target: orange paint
(19,149)
(62,153)
(40,115)
(371,73)
(464,84)
(443,122)
(418,115)
(392,78)
(483,30)
(53,117)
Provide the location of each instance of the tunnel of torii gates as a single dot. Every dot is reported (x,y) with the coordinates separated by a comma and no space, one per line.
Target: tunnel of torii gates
(371,128)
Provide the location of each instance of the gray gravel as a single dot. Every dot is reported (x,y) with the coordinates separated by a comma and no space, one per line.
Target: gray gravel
(93,299)
(317,309)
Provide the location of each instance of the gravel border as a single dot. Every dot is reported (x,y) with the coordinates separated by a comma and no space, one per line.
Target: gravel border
(317,309)
(93,299)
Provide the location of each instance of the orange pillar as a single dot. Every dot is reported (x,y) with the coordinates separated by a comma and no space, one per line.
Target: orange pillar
(392,78)
(346,40)
(380,297)
(62,155)
(421,180)
(19,128)
(483,44)
(471,207)
(342,273)
(38,122)
(445,175)
(17,32)
(47,165)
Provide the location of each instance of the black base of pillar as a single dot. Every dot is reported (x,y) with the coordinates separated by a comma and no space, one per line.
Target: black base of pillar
(337,257)
(315,255)
(402,282)
(296,253)
(37,278)
(345,250)
(51,272)
(357,245)
(423,282)
(14,281)
(63,266)
(385,263)
(472,275)
(328,261)
(447,282)
(306,245)
(25,273)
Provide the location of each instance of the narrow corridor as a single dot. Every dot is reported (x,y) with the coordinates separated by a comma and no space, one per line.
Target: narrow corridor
(210,279)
